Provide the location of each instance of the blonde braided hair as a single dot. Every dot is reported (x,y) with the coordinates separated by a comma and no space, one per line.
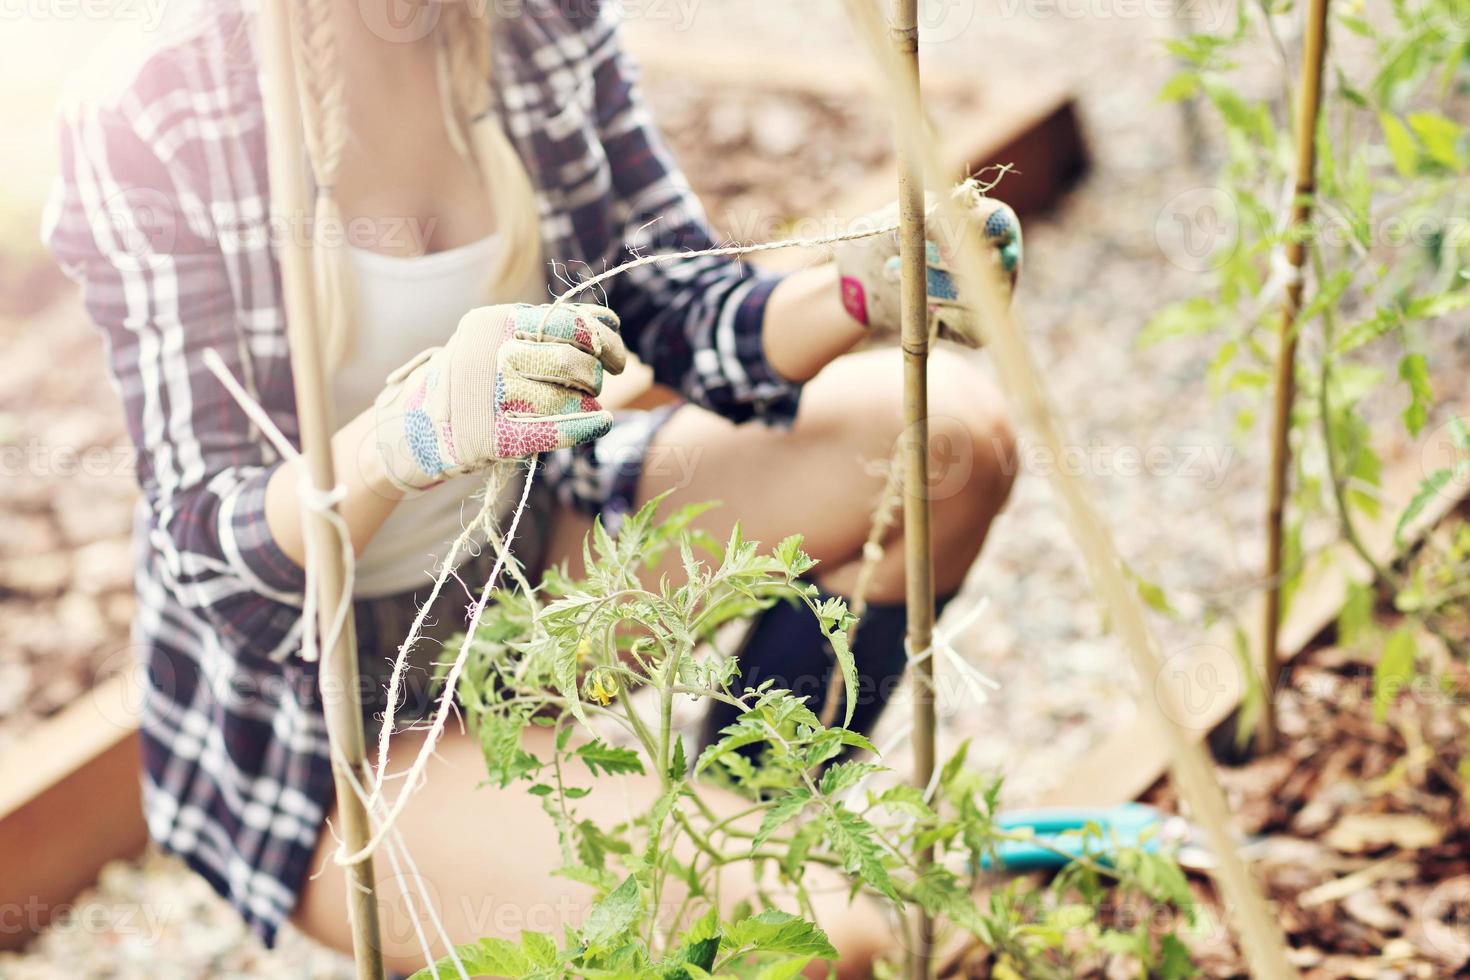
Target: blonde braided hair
(322,91)
(464,70)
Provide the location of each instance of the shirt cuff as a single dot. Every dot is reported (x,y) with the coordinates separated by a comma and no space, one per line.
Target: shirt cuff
(252,548)
(773,399)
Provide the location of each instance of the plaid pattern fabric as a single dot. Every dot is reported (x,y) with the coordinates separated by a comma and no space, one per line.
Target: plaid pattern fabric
(162,213)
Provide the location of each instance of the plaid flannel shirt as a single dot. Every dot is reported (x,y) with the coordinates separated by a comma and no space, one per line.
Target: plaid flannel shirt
(161,212)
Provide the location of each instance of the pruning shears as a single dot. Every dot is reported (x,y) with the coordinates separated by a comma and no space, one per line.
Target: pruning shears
(1055,837)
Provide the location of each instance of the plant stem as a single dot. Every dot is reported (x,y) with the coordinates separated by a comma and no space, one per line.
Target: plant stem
(1384,575)
(1335,478)
(1308,106)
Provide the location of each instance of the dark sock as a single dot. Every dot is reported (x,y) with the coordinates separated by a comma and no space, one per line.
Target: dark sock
(786,647)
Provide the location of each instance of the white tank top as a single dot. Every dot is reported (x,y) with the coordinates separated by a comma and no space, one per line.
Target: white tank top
(402,306)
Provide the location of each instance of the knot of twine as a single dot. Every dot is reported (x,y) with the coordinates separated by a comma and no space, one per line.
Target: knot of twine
(314,500)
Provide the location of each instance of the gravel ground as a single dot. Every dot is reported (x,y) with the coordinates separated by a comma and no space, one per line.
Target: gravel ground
(1096,269)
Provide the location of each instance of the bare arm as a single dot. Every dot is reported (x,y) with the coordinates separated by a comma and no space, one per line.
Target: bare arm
(359,466)
(806,326)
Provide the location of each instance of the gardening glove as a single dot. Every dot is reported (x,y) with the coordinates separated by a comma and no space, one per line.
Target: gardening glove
(505,385)
(869,268)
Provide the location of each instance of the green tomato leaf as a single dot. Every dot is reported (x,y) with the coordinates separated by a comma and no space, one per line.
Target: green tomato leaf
(1441,138)
(1414,371)
(1174,960)
(1355,622)
(602,758)
(696,957)
(783,969)
(774,931)
(1401,145)
(488,957)
(540,948)
(855,841)
(845,775)
(1394,670)
(1184,85)
(777,814)
(610,919)
(1187,318)
(1429,488)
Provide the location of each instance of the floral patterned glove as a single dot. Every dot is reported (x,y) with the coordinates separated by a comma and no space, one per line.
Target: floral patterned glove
(505,385)
(869,269)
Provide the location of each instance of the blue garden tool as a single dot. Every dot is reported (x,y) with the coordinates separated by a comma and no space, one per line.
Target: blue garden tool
(1057,839)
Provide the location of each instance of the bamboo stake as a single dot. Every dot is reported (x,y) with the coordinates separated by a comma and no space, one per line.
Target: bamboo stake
(339,679)
(918,537)
(1261,939)
(1308,107)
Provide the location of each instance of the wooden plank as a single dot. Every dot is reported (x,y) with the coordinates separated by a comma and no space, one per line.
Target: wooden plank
(70,801)
(1035,129)
(746,67)
(1208,677)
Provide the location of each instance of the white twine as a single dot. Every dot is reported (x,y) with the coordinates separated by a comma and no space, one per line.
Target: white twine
(493,487)
(984,187)
(941,647)
(1282,276)
(451,680)
(324,503)
(643,260)
(313,501)
(398,852)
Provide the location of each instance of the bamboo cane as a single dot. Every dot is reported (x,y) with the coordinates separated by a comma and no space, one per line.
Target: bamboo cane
(1261,939)
(1309,104)
(918,540)
(339,678)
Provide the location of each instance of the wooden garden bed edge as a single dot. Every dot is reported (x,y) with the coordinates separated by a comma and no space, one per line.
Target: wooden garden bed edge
(70,801)
(1124,765)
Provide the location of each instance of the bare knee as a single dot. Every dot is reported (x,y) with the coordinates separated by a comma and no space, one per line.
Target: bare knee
(973,462)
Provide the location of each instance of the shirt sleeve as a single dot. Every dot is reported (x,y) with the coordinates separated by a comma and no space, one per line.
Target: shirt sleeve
(696,322)
(127,226)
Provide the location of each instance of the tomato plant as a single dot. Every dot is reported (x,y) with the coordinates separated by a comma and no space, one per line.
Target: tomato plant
(569,655)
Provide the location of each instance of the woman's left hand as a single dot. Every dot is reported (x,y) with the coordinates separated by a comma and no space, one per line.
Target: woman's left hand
(869,269)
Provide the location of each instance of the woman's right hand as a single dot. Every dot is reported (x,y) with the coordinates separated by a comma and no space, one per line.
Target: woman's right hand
(505,385)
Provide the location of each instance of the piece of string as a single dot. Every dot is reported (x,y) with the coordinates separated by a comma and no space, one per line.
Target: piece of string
(313,501)
(873,551)
(941,647)
(451,679)
(399,856)
(643,260)
(1283,275)
(324,503)
(493,487)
